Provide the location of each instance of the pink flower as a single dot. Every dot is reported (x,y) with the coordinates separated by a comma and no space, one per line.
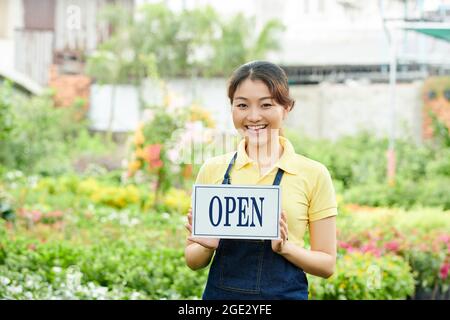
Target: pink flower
(347,246)
(445,238)
(55,214)
(36,216)
(368,247)
(371,248)
(392,246)
(344,245)
(443,272)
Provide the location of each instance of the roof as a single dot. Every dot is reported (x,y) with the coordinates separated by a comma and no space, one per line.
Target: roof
(433,29)
(21,80)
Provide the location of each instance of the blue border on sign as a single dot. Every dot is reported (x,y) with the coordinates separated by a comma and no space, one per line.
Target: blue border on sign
(278,188)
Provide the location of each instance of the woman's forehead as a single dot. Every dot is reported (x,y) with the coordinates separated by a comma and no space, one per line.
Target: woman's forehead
(252,89)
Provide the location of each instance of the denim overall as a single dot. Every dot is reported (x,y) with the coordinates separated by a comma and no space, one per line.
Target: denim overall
(250,270)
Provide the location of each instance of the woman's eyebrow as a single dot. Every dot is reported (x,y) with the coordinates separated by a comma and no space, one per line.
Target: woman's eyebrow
(243,98)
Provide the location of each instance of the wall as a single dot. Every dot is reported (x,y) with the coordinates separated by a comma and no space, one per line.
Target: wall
(13,20)
(333,110)
(4,4)
(126,110)
(69,87)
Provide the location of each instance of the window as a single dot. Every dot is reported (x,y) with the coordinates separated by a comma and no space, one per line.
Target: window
(321,6)
(39,15)
(305,6)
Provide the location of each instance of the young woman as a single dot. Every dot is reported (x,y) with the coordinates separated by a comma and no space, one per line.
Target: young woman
(267,269)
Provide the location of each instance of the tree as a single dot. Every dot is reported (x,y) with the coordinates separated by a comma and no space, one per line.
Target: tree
(118,60)
(238,42)
(198,42)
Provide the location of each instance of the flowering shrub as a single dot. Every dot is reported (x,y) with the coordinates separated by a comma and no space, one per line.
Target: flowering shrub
(197,113)
(177,200)
(150,145)
(117,197)
(427,255)
(364,276)
(145,157)
(163,147)
(420,237)
(33,216)
(96,191)
(110,270)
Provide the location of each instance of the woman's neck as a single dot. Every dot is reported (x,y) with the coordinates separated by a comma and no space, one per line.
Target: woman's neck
(266,155)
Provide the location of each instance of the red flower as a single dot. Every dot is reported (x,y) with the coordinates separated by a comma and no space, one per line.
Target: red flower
(443,272)
(153,156)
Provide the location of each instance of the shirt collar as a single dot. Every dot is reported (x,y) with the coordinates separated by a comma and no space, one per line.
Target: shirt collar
(286,162)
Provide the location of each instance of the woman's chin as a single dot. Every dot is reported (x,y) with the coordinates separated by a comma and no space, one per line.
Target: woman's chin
(257,140)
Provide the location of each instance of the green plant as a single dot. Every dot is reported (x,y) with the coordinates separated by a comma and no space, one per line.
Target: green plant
(41,135)
(440,129)
(405,193)
(6,114)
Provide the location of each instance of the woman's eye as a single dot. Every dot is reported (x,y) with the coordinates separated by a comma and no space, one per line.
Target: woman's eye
(266,105)
(241,105)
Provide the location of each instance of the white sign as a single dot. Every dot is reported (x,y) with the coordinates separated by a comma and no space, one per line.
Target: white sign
(236,212)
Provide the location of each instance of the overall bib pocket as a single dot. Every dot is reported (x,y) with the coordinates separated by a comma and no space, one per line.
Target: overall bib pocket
(241,265)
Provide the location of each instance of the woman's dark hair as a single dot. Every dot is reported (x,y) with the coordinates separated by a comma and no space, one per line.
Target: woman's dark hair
(272,75)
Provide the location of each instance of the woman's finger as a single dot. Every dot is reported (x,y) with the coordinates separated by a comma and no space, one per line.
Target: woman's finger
(188,227)
(284,228)
(286,236)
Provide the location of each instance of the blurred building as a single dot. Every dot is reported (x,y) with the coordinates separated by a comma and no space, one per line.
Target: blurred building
(34,35)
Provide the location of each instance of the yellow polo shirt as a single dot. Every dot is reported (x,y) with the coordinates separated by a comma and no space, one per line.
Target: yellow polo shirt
(306,187)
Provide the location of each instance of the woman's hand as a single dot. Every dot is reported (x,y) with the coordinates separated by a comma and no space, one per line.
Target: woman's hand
(208,243)
(278,245)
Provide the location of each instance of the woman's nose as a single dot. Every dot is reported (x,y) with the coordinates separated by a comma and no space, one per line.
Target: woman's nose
(253,115)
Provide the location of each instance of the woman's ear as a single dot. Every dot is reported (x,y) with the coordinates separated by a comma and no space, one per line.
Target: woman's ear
(286,111)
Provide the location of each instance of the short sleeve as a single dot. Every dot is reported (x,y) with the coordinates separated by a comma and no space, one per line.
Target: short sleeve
(202,176)
(323,202)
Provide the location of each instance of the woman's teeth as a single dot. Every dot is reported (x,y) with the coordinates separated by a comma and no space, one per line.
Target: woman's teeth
(259,127)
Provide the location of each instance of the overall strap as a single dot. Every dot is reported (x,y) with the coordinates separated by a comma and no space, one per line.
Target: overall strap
(278,177)
(226,177)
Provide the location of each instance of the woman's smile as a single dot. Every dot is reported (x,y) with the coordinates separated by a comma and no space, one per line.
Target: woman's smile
(256,129)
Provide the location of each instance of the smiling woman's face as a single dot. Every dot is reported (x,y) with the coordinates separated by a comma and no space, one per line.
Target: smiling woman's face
(256,114)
